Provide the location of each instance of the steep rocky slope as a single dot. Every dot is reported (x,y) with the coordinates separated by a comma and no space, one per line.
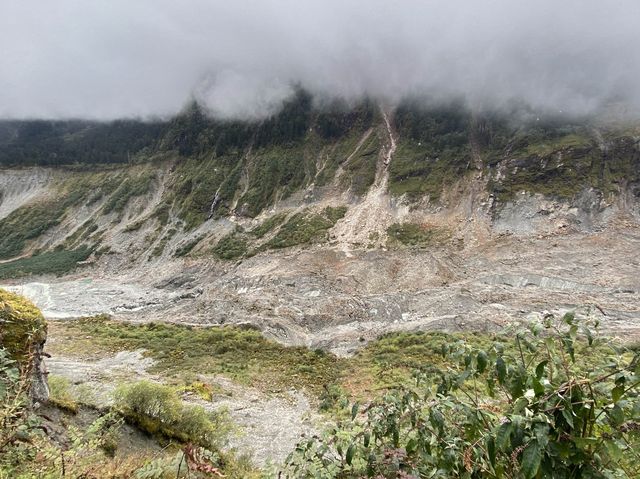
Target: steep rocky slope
(326,225)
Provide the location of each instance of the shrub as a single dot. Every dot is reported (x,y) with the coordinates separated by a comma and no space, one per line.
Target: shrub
(269,225)
(557,405)
(232,246)
(14,388)
(306,227)
(56,262)
(158,410)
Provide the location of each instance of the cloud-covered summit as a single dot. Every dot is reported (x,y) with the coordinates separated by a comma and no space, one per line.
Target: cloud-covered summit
(108,59)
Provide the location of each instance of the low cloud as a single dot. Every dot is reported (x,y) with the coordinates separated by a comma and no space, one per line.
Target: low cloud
(111,59)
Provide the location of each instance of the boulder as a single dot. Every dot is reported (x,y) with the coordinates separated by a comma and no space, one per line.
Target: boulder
(23,332)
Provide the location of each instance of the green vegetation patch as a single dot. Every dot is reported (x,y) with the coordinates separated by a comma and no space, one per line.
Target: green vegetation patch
(198,183)
(30,221)
(552,401)
(185,248)
(306,227)
(241,354)
(433,150)
(60,394)
(415,235)
(418,169)
(159,249)
(158,410)
(277,171)
(231,246)
(85,230)
(22,326)
(269,225)
(334,154)
(58,262)
(244,355)
(561,166)
(300,229)
(27,223)
(131,187)
(545,147)
(361,168)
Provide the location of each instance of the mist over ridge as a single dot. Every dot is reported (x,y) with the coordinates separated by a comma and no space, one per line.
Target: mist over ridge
(241,59)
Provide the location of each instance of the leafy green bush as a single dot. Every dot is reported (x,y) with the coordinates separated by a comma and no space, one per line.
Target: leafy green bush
(26,451)
(552,406)
(157,409)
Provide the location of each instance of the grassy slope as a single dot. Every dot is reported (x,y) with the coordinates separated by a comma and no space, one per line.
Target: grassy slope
(244,355)
(301,228)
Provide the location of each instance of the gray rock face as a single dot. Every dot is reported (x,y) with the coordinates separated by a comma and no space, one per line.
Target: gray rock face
(39,387)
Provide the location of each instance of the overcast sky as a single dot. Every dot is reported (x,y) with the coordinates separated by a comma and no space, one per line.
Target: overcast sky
(121,58)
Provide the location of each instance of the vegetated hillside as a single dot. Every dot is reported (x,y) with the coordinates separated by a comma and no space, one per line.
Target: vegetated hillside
(169,188)
(556,399)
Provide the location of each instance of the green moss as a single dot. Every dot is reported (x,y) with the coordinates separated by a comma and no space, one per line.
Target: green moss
(415,235)
(22,326)
(60,394)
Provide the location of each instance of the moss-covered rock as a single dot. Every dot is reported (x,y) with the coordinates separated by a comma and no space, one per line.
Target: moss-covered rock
(23,332)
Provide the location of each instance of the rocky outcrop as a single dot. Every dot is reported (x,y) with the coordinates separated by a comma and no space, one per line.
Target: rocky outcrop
(23,332)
